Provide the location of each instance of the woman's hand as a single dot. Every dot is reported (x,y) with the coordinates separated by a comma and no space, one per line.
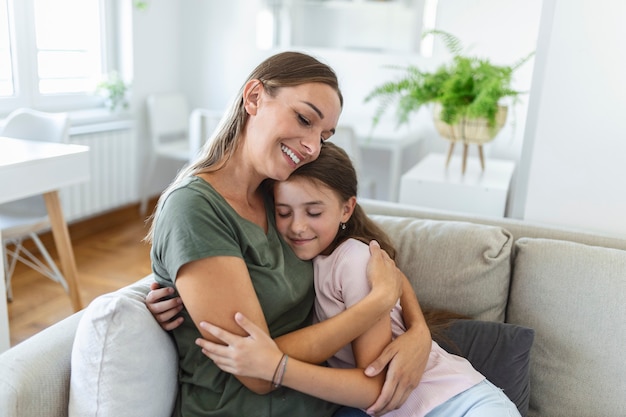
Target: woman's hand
(383,275)
(256,355)
(406,356)
(163,308)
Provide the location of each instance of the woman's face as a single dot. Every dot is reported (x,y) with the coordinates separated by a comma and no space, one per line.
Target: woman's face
(286,131)
(308,215)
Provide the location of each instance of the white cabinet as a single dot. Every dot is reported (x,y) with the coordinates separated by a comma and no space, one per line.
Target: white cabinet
(431,184)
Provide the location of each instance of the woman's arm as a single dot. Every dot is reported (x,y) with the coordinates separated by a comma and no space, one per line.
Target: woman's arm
(229,289)
(217,287)
(315,343)
(406,356)
(257,355)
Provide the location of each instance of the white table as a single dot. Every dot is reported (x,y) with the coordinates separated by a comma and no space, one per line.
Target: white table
(396,146)
(431,184)
(30,168)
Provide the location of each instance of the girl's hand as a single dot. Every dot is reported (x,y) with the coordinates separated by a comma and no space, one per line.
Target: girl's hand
(163,308)
(383,275)
(256,355)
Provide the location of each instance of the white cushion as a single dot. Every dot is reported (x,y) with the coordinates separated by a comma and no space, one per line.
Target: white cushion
(123,363)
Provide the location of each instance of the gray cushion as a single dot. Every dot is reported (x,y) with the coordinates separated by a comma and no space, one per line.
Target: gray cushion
(573,296)
(455,266)
(499,351)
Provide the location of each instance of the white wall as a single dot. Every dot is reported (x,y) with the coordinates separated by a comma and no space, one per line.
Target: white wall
(570,171)
(156,50)
(575,138)
(219,49)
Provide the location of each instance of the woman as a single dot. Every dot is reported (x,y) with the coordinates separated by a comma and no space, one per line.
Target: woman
(319,218)
(214,239)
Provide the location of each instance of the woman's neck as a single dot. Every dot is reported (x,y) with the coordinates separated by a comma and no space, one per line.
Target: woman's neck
(238,185)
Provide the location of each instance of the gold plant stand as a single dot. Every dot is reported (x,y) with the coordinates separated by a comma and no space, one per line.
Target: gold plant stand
(469,132)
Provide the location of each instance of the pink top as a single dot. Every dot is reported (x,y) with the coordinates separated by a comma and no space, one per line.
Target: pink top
(340,282)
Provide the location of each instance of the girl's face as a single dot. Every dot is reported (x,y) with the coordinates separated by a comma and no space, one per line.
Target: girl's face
(286,131)
(308,215)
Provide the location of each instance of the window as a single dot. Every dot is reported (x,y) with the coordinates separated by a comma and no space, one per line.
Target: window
(6,69)
(52,53)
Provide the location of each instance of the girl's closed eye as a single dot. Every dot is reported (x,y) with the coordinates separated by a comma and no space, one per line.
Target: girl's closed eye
(283,213)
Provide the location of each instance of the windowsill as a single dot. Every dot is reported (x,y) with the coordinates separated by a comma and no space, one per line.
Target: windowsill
(99,119)
(95,120)
(97,115)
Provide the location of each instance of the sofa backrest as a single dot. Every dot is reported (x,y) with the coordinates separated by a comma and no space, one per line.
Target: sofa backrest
(568,286)
(518,228)
(457,266)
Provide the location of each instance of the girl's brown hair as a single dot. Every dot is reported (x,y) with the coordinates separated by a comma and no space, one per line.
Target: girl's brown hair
(334,169)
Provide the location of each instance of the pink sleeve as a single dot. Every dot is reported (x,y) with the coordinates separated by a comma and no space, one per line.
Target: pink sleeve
(349,272)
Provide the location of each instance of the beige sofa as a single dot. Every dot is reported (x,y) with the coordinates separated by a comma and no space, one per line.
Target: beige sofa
(569,287)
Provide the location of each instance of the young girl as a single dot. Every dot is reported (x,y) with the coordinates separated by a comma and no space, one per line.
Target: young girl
(319,218)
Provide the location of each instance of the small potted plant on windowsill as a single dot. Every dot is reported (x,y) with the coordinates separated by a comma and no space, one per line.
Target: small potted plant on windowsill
(467,95)
(115,92)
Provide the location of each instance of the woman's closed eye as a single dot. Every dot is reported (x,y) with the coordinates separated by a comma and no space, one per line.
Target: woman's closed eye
(307,123)
(303,120)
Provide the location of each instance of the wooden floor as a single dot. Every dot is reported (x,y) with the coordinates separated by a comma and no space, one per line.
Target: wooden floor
(109,255)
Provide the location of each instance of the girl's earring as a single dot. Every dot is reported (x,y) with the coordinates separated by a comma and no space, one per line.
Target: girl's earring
(342,226)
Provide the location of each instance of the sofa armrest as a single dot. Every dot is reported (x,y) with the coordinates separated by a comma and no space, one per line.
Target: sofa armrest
(36,372)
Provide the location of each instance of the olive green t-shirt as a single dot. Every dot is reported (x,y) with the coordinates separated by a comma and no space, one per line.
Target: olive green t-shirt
(195,222)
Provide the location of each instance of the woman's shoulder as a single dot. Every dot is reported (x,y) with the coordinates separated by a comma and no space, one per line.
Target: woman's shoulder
(191,191)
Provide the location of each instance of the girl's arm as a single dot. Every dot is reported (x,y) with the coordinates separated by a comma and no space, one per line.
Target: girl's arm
(406,356)
(257,355)
(229,289)
(317,343)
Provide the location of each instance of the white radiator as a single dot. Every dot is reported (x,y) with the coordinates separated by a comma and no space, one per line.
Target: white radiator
(113,163)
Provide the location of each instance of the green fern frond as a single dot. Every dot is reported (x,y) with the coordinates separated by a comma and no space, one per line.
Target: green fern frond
(452,43)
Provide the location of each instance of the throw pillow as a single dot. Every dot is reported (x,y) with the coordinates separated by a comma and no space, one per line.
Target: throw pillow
(457,266)
(499,351)
(123,363)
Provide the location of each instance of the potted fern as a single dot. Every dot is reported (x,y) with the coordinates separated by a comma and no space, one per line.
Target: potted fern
(467,95)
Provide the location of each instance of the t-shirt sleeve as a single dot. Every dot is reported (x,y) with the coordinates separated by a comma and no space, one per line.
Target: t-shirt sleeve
(350,272)
(189,228)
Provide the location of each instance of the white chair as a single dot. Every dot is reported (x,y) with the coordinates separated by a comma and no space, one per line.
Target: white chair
(202,125)
(346,138)
(25,218)
(170,122)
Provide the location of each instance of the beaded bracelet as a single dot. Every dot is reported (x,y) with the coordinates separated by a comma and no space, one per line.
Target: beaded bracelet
(279,373)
